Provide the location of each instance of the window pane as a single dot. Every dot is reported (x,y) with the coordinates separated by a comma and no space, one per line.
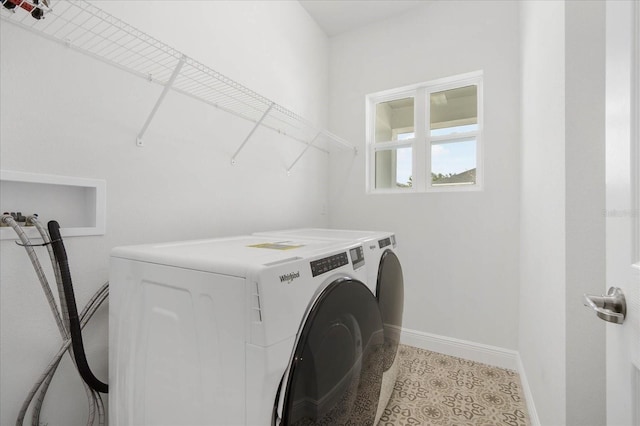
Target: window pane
(405,136)
(453,163)
(454,111)
(394,118)
(455,129)
(393,168)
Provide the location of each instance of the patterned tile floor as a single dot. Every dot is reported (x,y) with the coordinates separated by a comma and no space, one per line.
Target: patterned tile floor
(435,389)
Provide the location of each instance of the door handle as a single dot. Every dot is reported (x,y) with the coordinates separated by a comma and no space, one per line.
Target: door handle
(611,308)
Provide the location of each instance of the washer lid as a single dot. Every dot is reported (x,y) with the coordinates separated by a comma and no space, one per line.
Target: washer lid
(390,294)
(335,372)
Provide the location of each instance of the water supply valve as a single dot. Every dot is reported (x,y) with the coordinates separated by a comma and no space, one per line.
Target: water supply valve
(32,6)
(20,219)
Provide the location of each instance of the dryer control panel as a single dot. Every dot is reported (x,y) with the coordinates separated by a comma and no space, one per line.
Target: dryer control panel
(387,242)
(329,263)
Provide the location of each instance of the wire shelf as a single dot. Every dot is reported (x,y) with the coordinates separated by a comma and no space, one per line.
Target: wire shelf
(92,31)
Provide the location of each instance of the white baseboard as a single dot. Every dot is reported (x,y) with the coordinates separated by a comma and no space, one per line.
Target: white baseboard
(528,396)
(478,352)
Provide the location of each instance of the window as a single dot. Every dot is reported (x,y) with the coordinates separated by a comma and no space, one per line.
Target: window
(426,137)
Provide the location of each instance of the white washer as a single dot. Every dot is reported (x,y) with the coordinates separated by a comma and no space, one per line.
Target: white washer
(203,332)
(384,279)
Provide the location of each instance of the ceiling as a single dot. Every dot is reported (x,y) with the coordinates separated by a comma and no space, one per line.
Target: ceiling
(339,16)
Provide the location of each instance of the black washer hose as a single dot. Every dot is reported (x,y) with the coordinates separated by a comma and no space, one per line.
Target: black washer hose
(76,332)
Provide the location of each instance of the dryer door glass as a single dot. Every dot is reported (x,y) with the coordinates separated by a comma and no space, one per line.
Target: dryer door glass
(390,293)
(336,370)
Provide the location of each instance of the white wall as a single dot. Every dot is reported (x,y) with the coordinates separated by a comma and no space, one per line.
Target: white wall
(585,219)
(66,114)
(459,251)
(562,225)
(542,253)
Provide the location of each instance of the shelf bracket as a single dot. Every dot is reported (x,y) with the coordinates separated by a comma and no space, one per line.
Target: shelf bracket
(303,152)
(233,159)
(167,87)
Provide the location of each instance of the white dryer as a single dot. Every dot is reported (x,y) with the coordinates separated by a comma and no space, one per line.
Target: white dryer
(384,278)
(243,331)
(375,243)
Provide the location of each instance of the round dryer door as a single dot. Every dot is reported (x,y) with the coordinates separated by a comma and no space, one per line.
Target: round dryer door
(335,373)
(390,294)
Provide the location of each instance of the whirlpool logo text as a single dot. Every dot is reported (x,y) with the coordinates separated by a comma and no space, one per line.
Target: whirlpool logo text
(287,278)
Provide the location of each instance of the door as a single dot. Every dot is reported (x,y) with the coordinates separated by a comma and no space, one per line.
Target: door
(335,372)
(622,214)
(390,295)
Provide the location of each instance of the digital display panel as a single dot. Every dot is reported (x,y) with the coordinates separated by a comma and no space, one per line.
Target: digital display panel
(357,257)
(385,242)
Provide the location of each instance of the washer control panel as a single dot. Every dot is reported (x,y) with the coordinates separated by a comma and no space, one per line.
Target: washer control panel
(329,263)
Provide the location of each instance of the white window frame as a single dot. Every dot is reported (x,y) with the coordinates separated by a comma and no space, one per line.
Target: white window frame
(422,141)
